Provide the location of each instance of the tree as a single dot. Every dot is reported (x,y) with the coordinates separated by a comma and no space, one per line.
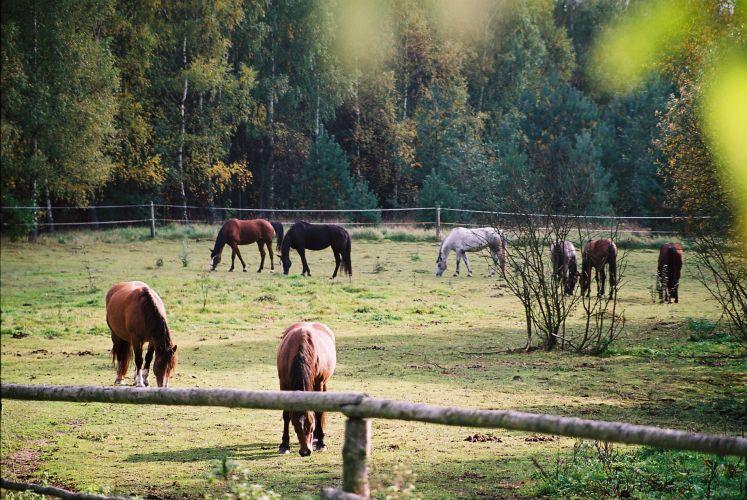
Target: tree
(59,103)
(324,181)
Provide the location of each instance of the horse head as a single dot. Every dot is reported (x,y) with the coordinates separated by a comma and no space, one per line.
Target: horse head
(214,259)
(440,264)
(285,260)
(304,424)
(164,365)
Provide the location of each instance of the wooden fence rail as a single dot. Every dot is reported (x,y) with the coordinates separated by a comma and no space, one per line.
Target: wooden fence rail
(360,407)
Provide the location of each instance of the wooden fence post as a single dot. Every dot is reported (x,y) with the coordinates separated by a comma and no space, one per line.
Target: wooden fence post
(355,456)
(152,220)
(438,222)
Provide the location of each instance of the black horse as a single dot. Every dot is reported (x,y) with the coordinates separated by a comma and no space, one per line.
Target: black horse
(303,235)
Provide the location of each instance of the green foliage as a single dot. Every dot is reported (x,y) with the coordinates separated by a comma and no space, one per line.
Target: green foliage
(600,470)
(361,198)
(324,181)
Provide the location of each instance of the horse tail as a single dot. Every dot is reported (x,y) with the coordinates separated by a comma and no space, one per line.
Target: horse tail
(278,232)
(121,353)
(302,368)
(346,262)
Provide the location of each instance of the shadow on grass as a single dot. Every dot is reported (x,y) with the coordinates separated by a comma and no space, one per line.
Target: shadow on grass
(248,452)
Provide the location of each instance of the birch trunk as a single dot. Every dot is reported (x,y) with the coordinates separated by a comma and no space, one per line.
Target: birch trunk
(182,113)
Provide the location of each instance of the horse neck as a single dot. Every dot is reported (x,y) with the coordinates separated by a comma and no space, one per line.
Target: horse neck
(220,242)
(158,326)
(445,248)
(286,244)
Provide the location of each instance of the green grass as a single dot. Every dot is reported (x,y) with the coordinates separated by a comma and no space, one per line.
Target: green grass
(401,333)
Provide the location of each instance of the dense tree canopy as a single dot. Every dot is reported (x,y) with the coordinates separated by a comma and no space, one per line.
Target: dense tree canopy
(373,103)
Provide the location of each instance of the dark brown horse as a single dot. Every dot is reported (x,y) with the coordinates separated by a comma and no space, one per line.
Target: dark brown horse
(598,254)
(237,232)
(563,259)
(303,236)
(306,360)
(135,315)
(669,270)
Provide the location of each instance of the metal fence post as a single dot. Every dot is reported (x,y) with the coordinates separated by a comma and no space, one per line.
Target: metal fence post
(152,220)
(355,456)
(438,222)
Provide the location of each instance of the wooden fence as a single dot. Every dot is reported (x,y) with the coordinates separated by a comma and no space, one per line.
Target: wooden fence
(359,408)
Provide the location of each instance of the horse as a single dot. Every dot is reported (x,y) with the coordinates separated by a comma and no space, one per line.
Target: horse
(306,360)
(669,269)
(303,236)
(237,232)
(463,240)
(597,254)
(136,315)
(564,265)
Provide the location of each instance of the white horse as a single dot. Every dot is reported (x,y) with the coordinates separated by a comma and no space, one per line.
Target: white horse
(564,264)
(463,240)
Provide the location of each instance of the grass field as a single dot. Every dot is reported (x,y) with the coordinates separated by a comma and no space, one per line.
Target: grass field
(401,333)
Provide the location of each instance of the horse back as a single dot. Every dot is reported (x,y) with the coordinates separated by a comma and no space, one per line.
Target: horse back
(599,252)
(126,311)
(313,341)
(670,255)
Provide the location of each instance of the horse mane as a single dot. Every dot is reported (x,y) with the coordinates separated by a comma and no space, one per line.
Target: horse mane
(158,328)
(220,241)
(304,365)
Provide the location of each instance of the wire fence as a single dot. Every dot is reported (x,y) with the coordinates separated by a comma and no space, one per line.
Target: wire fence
(35,220)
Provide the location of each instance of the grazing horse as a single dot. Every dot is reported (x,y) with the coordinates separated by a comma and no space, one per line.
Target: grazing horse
(306,360)
(670,267)
(463,240)
(564,266)
(237,232)
(597,254)
(303,236)
(135,315)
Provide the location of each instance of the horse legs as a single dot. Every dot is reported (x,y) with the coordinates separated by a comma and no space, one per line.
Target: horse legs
(272,256)
(233,259)
(262,255)
(285,443)
(320,417)
(305,265)
(466,263)
(138,348)
(601,278)
(148,359)
(338,259)
(495,256)
(459,254)
(120,354)
(235,248)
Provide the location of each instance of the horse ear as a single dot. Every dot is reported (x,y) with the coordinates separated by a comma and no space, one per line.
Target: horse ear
(173,349)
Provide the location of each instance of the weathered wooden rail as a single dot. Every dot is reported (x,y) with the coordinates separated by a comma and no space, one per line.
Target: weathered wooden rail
(360,407)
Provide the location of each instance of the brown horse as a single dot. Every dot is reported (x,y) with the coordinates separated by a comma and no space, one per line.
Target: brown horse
(306,360)
(135,315)
(597,254)
(669,269)
(237,232)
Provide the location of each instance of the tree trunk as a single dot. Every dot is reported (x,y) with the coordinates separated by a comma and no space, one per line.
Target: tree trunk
(357,131)
(49,216)
(94,216)
(182,108)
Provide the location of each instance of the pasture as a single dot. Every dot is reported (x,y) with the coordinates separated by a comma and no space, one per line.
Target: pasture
(402,333)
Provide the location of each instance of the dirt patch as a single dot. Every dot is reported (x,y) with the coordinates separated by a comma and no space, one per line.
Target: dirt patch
(483,438)
(40,351)
(19,335)
(540,439)
(470,475)
(23,463)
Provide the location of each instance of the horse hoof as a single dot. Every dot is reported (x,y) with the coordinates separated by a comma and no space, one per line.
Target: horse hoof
(322,447)
(230,270)
(244,269)
(283,450)
(118,382)
(469,275)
